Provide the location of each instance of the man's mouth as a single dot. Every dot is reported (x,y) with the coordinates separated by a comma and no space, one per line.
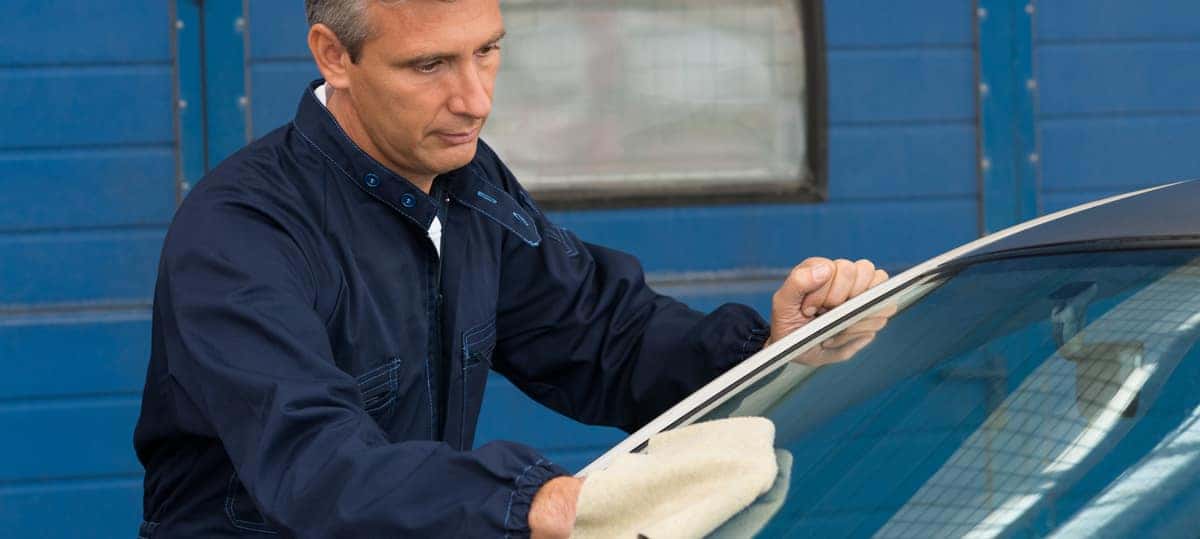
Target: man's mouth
(455,138)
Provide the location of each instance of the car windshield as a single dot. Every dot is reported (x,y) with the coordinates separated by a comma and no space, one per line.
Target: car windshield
(1036,395)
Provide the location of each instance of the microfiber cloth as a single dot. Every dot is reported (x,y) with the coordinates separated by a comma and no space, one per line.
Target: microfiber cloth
(686,482)
(754,518)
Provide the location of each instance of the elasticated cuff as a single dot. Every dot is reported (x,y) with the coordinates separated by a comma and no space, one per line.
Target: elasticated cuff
(526,485)
(744,334)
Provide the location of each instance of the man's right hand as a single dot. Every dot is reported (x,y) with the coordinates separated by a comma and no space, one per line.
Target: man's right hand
(552,514)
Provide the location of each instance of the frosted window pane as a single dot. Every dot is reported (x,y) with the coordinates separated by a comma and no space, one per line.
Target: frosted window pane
(611,95)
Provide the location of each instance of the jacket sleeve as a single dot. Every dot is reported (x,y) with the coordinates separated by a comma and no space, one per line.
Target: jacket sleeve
(581,332)
(247,348)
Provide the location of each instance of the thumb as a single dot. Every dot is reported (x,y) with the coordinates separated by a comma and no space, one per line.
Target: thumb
(807,278)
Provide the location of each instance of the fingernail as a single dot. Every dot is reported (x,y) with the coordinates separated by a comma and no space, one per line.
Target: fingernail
(821,272)
(810,311)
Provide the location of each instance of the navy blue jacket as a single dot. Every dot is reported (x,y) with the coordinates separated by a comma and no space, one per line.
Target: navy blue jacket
(317,369)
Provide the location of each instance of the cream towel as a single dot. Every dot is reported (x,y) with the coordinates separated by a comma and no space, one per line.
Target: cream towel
(754,518)
(685,483)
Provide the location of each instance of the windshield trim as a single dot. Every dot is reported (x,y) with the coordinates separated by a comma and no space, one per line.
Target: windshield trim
(1130,243)
(737,376)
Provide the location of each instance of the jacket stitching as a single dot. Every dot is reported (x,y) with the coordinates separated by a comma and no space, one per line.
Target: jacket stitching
(260,527)
(513,494)
(756,336)
(486,197)
(559,234)
(462,419)
(536,237)
(146,529)
(471,337)
(513,229)
(369,388)
(351,178)
(429,391)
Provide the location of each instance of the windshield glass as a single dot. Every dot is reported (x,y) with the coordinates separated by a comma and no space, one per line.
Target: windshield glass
(1034,395)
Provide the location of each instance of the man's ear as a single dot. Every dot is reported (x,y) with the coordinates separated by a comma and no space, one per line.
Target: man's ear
(333,60)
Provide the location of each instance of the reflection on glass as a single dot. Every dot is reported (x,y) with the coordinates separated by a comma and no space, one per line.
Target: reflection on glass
(1012,397)
(1161,479)
(605,93)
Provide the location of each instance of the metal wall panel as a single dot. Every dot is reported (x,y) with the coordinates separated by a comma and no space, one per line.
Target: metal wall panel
(1117,96)
(69,438)
(1119,153)
(78,267)
(906,161)
(108,507)
(886,24)
(1107,20)
(87,185)
(278,87)
(279,63)
(75,355)
(71,32)
(278,31)
(1124,78)
(1008,164)
(77,188)
(1053,202)
(897,233)
(57,107)
(885,86)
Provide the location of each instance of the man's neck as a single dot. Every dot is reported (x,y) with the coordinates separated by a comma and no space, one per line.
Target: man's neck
(347,118)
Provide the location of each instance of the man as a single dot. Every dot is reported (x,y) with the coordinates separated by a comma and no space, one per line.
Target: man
(331,298)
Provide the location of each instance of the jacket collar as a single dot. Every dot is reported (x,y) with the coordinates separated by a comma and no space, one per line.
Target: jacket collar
(316,125)
(468,185)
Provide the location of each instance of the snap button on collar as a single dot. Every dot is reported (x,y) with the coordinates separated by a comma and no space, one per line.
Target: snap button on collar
(408,200)
(371,179)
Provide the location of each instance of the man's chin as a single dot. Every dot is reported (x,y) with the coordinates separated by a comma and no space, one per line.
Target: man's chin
(458,156)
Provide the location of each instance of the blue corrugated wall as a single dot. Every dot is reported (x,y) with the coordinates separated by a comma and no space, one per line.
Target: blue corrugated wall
(1119,104)
(95,150)
(87,170)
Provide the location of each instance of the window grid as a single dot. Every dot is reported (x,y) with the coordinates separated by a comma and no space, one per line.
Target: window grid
(609,95)
(1016,457)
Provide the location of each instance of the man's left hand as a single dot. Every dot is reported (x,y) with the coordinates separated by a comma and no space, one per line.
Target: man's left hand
(815,286)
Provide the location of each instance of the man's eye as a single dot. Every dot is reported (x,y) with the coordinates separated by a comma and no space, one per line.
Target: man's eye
(429,67)
(488,50)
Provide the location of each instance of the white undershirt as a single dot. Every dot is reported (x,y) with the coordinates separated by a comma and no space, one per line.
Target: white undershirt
(435,228)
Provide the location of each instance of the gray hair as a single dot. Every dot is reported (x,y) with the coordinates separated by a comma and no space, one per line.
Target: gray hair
(347,19)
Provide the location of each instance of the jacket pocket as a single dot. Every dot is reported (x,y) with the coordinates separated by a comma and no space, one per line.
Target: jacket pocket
(241,511)
(379,387)
(478,343)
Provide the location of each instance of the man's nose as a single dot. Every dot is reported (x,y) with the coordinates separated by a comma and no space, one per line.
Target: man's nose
(472,95)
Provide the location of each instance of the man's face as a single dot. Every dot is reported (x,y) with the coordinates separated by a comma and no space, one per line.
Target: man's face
(422,87)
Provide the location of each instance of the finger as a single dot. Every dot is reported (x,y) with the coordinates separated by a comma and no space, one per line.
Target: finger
(864,273)
(880,276)
(842,282)
(814,302)
(807,282)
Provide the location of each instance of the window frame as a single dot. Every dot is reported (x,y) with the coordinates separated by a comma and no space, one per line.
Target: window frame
(811,186)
